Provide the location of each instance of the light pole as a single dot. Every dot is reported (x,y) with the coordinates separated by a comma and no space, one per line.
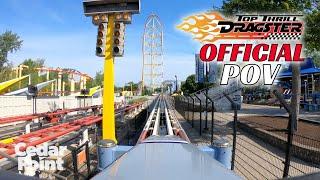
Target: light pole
(206,84)
(176,83)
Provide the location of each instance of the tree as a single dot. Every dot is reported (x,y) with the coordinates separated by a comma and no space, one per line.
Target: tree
(315,55)
(312,35)
(231,7)
(146,91)
(9,42)
(130,84)
(31,70)
(97,80)
(190,85)
(32,65)
(6,73)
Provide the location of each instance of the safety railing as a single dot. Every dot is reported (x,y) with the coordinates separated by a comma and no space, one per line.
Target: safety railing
(259,151)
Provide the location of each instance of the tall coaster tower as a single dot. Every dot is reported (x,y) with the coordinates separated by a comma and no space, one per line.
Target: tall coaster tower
(152,49)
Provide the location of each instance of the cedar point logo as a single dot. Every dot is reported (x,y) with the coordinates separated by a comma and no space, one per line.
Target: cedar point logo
(261,42)
(43,153)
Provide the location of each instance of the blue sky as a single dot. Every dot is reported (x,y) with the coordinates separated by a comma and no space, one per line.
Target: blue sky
(57,31)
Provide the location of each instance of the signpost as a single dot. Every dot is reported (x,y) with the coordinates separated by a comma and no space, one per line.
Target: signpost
(108,120)
(33,92)
(110,12)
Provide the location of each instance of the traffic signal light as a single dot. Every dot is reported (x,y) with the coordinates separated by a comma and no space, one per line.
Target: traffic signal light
(99,18)
(32,90)
(84,91)
(123,17)
(101,39)
(118,39)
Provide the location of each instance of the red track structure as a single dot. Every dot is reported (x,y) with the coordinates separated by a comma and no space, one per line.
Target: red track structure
(17,119)
(48,134)
(55,116)
(50,116)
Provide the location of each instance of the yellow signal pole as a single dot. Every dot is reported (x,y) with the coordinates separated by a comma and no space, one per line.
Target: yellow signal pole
(108,117)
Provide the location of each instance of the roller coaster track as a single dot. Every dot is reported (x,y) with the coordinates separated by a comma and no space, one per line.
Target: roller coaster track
(162,121)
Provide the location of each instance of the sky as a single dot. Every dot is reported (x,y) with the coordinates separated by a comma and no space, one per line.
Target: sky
(59,32)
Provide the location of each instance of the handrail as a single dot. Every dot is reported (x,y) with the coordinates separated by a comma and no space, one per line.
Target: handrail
(203,89)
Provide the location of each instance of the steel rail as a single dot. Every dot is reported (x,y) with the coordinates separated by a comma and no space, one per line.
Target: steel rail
(146,128)
(151,116)
(177,128)
(156,126)
(172,124)
(168,120)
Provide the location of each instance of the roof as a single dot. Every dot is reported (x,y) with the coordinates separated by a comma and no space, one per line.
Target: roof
(159,160)
(306,68)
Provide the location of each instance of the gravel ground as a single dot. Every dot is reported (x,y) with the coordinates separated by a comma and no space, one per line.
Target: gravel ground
(276,125)
(250,109)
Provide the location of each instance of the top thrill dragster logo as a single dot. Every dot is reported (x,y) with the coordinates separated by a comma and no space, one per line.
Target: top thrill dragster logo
(259,40)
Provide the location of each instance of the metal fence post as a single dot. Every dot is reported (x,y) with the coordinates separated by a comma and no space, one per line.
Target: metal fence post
(206,122)
(135,124)
(74,153)
(235,119)
(188,110)
(192,122)
(288,149)
(75,165)
(234,135)
(88,158)
(200,128)
(212,120)
(290,129)
(184,107)
(212,117)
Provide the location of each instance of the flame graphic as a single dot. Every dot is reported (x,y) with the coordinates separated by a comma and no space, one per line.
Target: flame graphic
(204,28)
